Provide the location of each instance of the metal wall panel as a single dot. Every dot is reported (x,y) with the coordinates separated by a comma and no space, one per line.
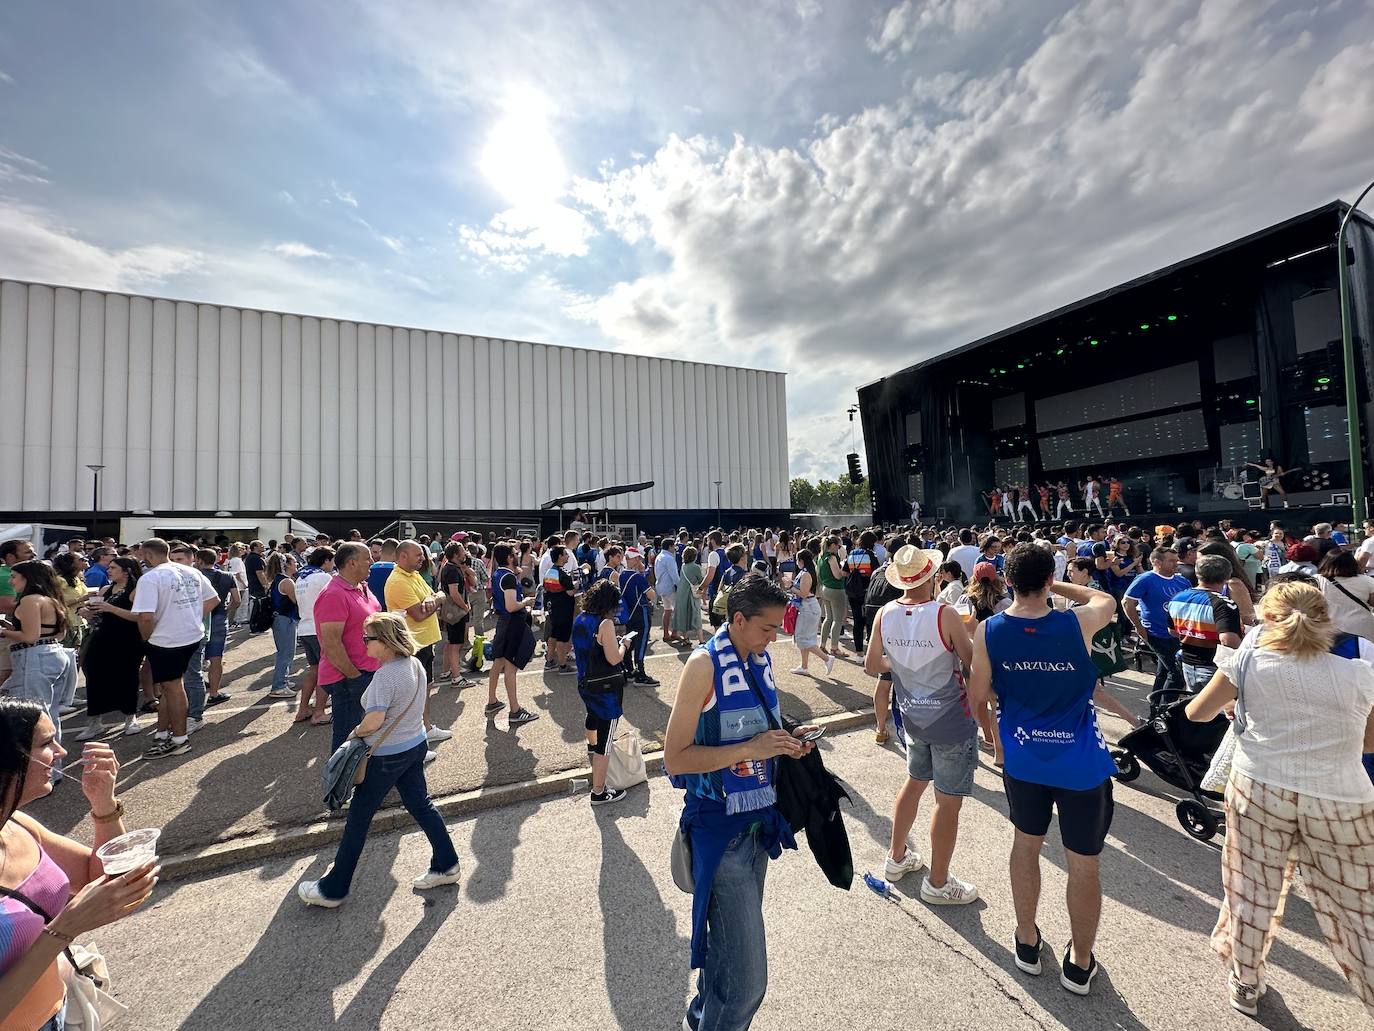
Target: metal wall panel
(201,407)
(114,416)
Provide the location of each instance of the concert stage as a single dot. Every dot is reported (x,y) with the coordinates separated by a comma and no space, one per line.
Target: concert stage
(1170,383)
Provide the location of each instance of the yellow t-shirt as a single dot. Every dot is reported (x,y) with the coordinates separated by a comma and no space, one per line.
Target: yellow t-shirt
(405,589)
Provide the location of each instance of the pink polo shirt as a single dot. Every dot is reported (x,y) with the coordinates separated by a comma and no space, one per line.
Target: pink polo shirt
(341,602)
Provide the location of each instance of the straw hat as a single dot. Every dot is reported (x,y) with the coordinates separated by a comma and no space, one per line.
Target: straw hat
(912,566)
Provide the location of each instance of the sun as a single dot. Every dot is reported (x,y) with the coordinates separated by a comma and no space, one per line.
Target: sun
(520,158)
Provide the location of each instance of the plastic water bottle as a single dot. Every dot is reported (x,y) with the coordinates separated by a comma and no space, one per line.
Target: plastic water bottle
(878,886)
(580,784)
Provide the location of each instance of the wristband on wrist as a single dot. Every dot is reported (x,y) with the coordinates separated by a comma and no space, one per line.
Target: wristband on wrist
(115,814)
(65,939)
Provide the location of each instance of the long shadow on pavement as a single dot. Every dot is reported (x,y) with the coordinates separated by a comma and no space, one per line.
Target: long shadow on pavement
(495,832)
(644,955)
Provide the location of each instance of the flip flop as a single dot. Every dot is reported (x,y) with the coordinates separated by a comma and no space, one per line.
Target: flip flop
(301,719)
(320,723)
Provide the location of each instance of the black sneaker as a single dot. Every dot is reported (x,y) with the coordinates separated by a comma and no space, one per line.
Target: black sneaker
(1076,979)
(520,716)
(644,680)
(492,708)
(163,749)
(1028,956)
(607,797)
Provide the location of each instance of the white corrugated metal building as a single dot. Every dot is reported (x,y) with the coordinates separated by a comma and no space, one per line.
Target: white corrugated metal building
(194,408)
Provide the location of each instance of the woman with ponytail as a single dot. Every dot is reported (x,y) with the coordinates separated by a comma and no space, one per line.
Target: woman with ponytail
(1298,791)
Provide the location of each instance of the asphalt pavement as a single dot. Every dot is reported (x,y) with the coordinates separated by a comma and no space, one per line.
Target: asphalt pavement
(567,918)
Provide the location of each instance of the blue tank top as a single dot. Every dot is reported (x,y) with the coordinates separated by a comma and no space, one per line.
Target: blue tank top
(498,589)
(584,631)
(1044,679)
(281,604)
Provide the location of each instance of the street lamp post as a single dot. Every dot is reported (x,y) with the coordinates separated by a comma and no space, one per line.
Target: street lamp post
(718,483)
(1352,415)
(95,468)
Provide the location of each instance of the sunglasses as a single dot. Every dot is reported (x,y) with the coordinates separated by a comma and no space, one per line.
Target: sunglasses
(367,639)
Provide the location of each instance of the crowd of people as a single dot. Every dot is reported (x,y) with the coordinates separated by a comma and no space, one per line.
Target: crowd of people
(979,639)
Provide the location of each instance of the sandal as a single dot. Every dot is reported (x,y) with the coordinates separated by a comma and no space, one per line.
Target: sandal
(215,699)
(321,721)
(882,737)
(301,717)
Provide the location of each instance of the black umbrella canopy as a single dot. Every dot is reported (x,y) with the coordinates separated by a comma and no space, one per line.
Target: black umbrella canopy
(588,496)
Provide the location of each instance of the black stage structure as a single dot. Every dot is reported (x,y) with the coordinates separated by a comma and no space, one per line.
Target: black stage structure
(1170,382)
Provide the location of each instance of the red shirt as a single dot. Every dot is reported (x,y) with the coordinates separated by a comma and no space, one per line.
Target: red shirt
(341,602)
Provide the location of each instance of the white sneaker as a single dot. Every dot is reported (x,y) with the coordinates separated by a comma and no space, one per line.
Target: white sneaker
(829,664)
(800,670)
(92,730)
(132,726)
(160,735)
(910,863)
(430,756)
(309,892)
(954,892)
(434,878)
(192,725)
(437,734)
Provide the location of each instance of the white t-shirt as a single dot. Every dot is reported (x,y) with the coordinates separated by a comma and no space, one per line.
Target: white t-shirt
(235,568)
(1305,721)
(1366,549)
(545,563)
(967,555)
(175,594)
(308,588)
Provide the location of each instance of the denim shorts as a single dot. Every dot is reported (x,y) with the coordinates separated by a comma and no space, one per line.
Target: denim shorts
(310,644)
(949,766)
(219,634)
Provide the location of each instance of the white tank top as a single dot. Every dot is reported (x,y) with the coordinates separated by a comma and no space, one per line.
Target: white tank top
(927,688)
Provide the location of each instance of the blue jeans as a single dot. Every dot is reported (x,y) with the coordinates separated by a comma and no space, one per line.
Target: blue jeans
(346,704)
(730,988)
(1168,675)
(406,772)
(634,658)
(42,674)
(1195,678)
(195,685)
(284,637)
(58,1021)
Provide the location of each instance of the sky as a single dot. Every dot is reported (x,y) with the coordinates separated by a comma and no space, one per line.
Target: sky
(830,188)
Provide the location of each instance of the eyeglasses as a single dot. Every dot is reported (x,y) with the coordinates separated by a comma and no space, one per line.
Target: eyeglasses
(367,639)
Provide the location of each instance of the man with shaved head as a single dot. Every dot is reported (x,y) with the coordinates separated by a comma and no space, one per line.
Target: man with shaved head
(408,592)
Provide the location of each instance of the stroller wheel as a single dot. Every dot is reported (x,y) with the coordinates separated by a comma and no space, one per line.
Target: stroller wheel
(1197,819)
(1127,767)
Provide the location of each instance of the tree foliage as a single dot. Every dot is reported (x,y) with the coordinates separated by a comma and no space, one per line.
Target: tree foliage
(840,497)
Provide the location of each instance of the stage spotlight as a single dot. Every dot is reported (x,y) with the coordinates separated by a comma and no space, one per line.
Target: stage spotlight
(1173,318)
(1323,380)
(1092,343)
(1144,325)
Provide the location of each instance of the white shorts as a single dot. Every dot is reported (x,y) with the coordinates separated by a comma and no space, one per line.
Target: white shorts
(667,601)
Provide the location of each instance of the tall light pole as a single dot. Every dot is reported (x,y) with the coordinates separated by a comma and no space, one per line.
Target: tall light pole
(1352,415)
(718,483)
(95,468)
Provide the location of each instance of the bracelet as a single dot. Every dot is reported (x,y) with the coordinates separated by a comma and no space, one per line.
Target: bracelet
(115,814)
(65,939)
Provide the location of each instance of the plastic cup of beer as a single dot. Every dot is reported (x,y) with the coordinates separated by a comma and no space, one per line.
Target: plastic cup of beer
(129,851)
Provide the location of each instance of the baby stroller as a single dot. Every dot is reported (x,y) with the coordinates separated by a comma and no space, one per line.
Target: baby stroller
(1179,752)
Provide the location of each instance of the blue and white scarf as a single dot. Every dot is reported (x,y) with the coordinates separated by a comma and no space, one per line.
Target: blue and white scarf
(749,784)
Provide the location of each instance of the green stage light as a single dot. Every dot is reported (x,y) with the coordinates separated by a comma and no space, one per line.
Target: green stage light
(1144,325)
(1001,372)
(1019,365)
(1092,343)
(1323,380)
(1249,400)
(1173,318)
(1060,351)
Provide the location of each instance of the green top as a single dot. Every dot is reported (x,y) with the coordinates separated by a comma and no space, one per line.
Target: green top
(6,588)
(828,579)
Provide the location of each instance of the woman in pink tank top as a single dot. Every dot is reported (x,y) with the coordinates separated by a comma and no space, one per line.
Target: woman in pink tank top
(52,889)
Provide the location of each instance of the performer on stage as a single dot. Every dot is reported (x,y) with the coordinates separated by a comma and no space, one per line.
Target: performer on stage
(916,512)
(1023,502)
(994,497)
(1114,497)
(1044,490)
(1090,498)
(1065,501)
(1271,478)
(1007,502)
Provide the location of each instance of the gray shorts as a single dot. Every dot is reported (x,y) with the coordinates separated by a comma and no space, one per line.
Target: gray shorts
(949,766)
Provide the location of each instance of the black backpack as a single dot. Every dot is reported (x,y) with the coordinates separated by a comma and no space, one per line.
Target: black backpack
(856,582)
(879,592)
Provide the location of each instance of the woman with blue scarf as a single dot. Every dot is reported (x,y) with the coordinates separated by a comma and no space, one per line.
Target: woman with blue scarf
(723,742)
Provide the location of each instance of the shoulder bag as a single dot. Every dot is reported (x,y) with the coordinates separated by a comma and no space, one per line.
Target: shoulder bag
(602,674)
(86,979)
(1333,582)
(1219,771)
(346,768)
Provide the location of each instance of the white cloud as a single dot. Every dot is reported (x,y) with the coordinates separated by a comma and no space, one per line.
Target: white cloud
(295,249)
(35,246)
(285,197)
(515,237)
(16,168)
(1127,140)
(910,23)
(343,196)
(6,78)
